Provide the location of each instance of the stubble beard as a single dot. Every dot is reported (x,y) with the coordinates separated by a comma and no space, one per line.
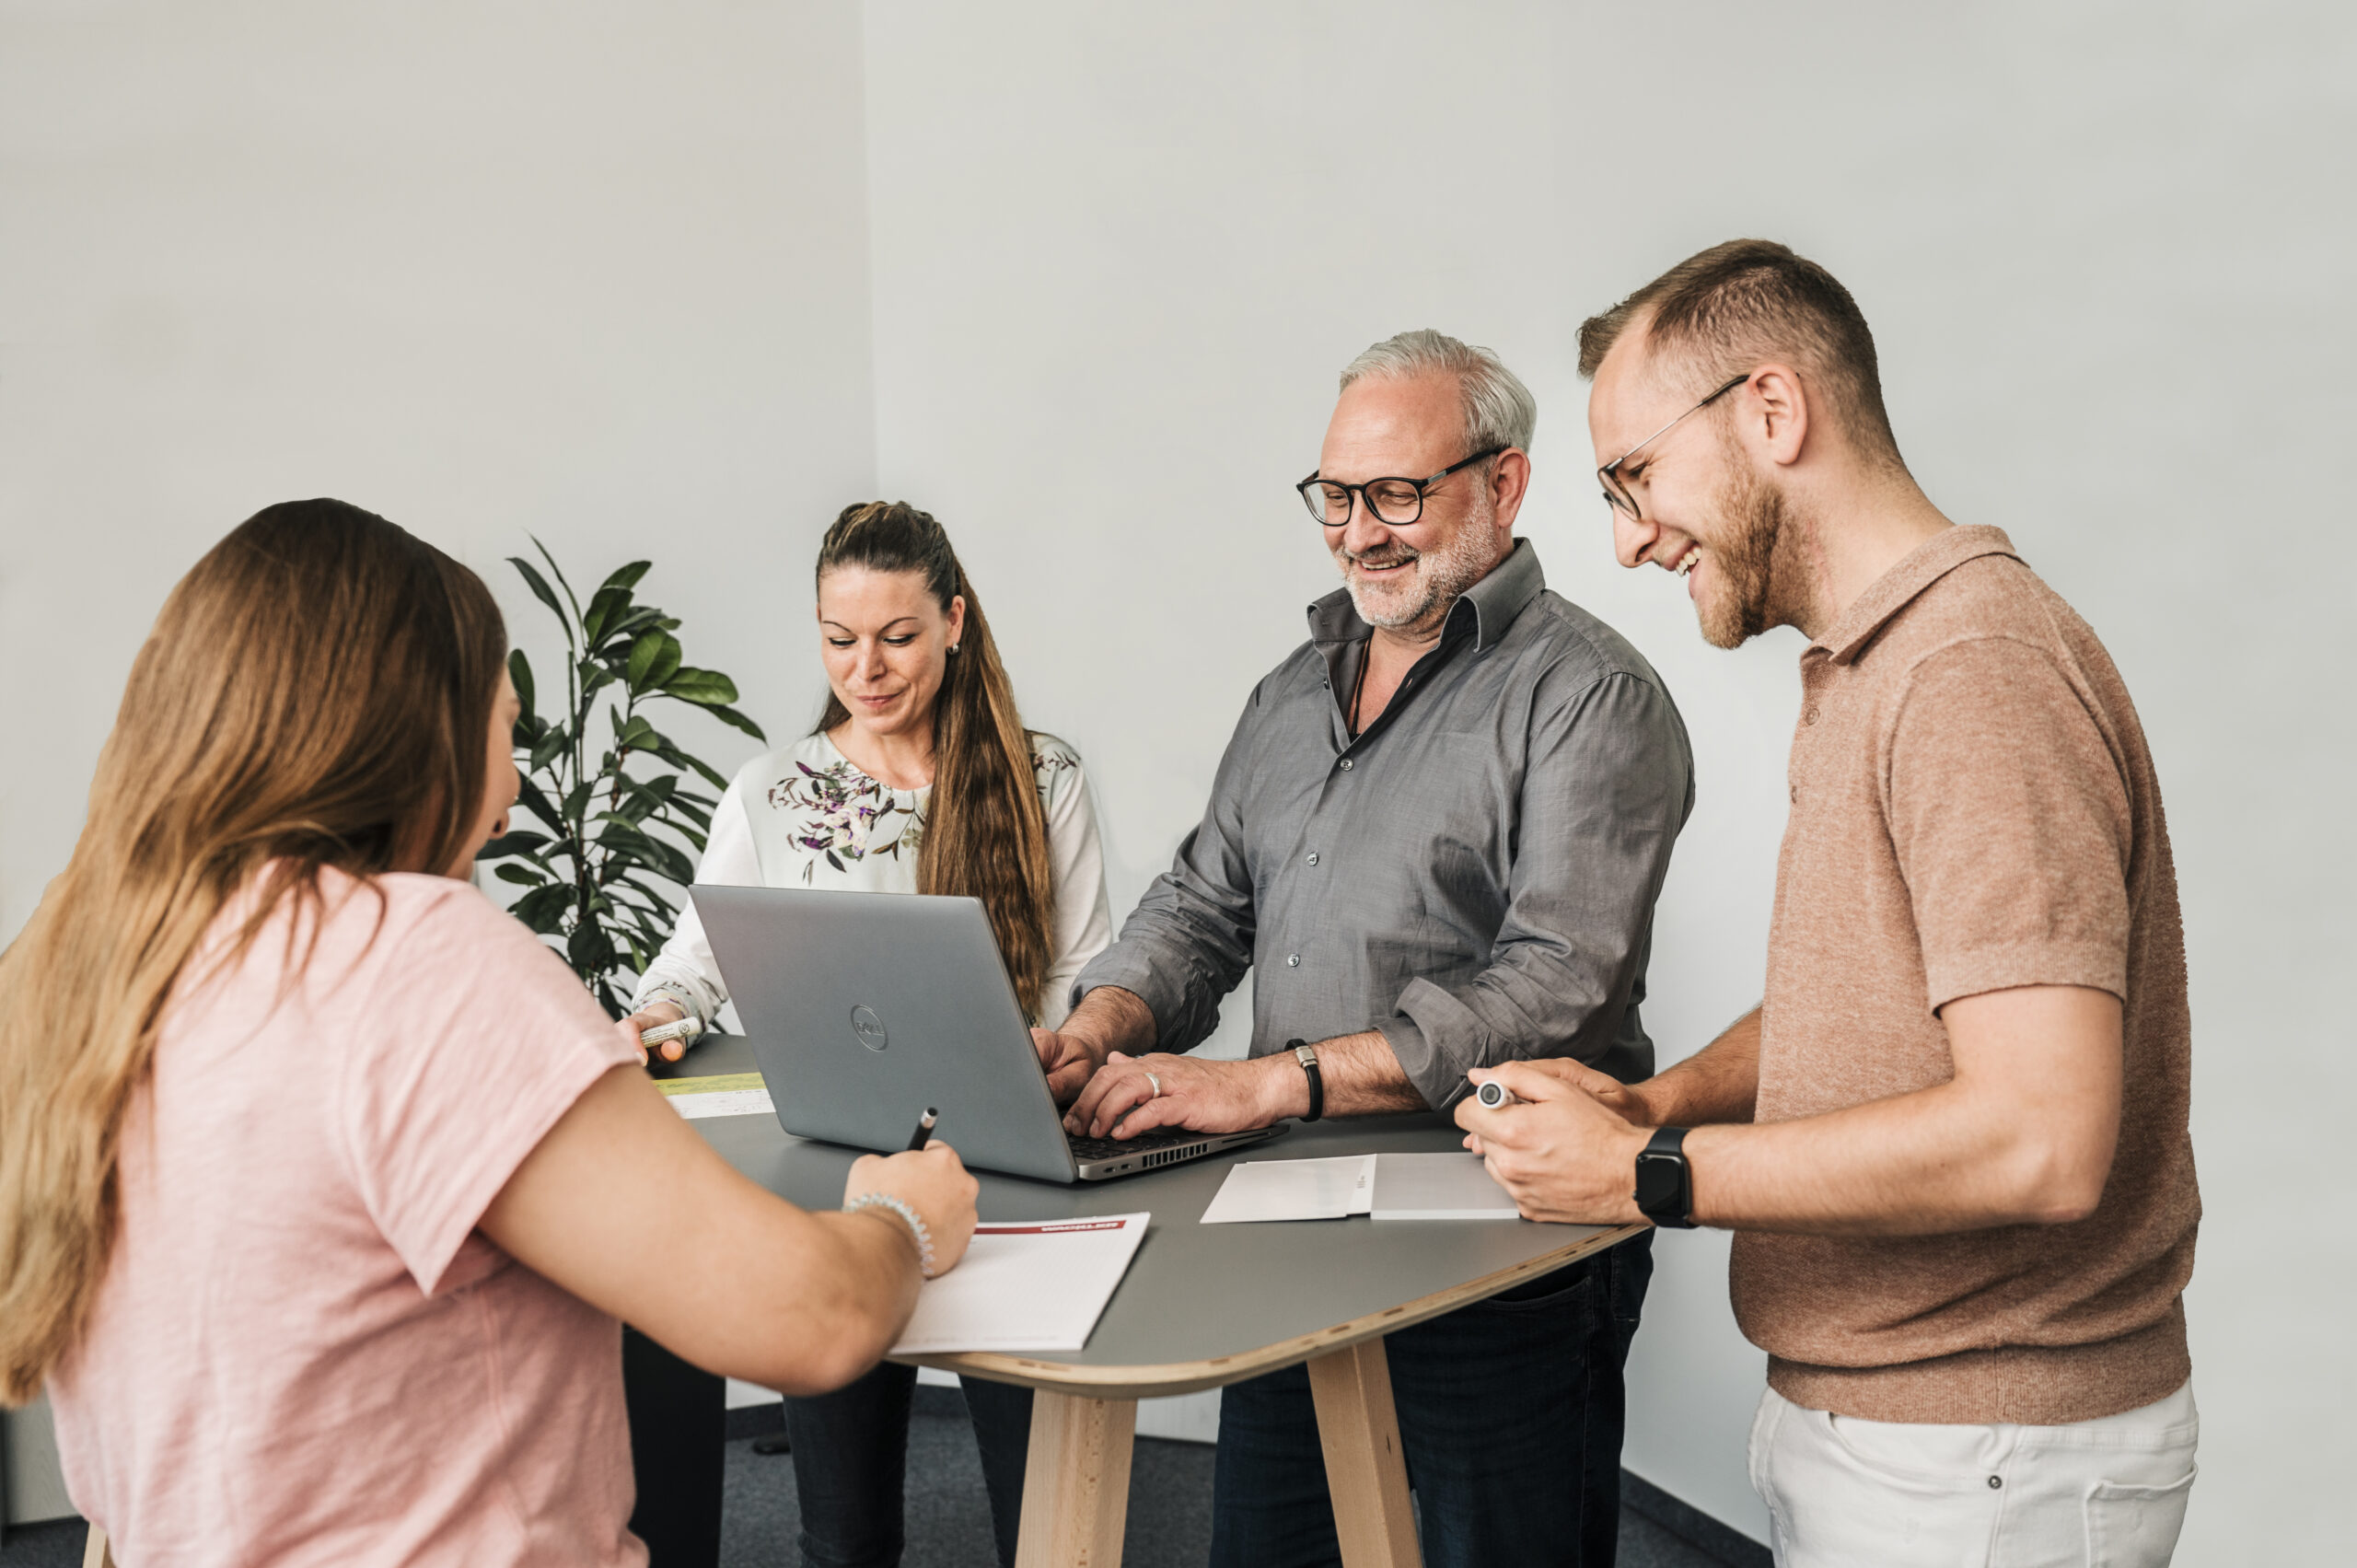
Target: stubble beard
(1757,562)
(1440,579)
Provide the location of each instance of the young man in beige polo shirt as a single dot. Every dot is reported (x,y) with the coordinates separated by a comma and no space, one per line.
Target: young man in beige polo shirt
(1951,1138)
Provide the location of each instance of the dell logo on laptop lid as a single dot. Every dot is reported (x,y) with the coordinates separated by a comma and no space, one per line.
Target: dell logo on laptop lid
(870,1028)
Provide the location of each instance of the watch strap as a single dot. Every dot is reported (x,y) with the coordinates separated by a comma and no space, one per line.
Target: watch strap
(1306,1054)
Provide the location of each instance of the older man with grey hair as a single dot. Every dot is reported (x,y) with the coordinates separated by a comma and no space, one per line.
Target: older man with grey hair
(1436,836)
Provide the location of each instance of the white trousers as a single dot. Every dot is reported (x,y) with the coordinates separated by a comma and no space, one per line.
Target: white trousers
(1848,1493)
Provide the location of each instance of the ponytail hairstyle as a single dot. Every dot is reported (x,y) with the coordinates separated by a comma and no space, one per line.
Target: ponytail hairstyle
(985,832)
(317,692)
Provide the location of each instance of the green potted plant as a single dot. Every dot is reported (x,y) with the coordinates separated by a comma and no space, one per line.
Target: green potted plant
(598,872)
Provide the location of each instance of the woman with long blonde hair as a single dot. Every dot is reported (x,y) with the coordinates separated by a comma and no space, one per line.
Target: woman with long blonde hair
(322,1182)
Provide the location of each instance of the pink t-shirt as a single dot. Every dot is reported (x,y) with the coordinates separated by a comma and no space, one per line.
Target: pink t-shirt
(303,1351)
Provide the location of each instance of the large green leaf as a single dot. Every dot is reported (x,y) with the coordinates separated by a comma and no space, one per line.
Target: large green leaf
(519,673)
(637,735)
(541,590)
(704,687)
(591,948)
(626,577)
(654,659)
(631,620)
(535,800)
(518,840)
(522,876)
(555,570)
(606,605)
(628,844)
(543,909)
(728,715)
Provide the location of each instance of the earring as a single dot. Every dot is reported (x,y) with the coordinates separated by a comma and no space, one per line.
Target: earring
(953,647)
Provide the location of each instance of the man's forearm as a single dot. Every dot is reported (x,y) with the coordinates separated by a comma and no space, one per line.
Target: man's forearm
(1108,1020)
(1361,1076)
(1923,1164)
(1719,1083)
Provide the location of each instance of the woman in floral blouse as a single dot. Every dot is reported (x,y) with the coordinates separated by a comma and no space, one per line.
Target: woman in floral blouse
(920,777)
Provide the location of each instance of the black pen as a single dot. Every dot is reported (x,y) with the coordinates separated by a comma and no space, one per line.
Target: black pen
(924,1129)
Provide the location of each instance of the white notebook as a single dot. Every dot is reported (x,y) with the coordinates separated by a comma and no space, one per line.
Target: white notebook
(1293,1190)
(1388,1187)
(1026,1284)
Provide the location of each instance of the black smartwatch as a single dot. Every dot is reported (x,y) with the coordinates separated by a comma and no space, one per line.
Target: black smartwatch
(1306,1054)
(1665,1184)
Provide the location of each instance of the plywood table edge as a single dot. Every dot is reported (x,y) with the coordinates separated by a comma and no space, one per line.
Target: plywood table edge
(1145,1382)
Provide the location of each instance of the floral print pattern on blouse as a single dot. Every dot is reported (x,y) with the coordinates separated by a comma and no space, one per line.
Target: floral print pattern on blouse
(845,815)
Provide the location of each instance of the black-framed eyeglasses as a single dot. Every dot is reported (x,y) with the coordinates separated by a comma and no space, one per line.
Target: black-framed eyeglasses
(1398,501)
(1617,493)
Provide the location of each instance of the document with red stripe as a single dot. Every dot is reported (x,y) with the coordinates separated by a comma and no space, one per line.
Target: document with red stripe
(1026,1285)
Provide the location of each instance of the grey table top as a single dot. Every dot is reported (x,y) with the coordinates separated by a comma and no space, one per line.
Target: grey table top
(1206,1305)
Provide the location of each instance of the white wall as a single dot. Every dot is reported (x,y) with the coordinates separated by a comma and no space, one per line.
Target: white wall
(596,271)
(1120,254)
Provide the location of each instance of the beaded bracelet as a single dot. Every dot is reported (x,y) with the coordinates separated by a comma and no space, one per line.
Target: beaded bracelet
(907,1215)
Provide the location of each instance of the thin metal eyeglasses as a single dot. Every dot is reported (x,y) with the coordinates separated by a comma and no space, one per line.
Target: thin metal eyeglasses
(1398,501)
(1615,492)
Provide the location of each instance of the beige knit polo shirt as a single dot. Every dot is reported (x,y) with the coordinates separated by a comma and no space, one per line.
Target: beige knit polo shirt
(1973,809)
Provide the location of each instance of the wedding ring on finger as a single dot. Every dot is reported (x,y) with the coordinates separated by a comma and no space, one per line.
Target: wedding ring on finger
(1158,1084)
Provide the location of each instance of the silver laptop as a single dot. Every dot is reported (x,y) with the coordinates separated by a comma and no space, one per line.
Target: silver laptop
(865,1009)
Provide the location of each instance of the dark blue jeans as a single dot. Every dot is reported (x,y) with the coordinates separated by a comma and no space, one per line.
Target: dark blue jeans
(851,1454)
(1511,1412)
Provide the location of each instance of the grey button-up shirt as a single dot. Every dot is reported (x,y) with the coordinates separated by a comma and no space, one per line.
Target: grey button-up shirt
(1474,875)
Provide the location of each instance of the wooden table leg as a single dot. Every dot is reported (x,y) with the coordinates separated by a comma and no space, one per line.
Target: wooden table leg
(1077,1481)
(1365,1473)
(94,1549)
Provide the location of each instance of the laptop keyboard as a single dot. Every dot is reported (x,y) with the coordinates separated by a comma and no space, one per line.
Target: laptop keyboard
(1109,1148)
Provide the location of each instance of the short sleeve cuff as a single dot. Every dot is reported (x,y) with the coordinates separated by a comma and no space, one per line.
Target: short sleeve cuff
(2098,966)
(518,1132)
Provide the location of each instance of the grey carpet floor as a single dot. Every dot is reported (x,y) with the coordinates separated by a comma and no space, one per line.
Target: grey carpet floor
(948,1516)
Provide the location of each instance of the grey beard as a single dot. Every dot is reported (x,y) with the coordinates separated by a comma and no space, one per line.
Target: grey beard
(1443,575)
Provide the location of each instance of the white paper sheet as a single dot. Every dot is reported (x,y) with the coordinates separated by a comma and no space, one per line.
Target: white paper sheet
(1293,1190)
(727,1102)
(1438,1186)
(1026,1284)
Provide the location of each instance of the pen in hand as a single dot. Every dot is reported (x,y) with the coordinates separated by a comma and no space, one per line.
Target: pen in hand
(924,1129)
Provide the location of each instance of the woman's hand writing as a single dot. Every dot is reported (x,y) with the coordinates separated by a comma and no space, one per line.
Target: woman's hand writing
(933,1181)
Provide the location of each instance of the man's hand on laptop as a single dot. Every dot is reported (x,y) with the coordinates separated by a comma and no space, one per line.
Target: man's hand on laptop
(1068,1060)
(1131,1094)
(1107,1019)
